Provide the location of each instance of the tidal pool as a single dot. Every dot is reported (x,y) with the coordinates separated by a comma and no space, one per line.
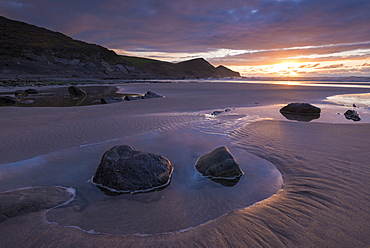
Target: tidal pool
(189,201)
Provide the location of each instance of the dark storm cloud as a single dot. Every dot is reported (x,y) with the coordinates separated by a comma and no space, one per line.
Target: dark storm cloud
(199,25)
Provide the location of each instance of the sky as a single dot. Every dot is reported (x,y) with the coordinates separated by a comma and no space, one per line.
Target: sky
(254,37)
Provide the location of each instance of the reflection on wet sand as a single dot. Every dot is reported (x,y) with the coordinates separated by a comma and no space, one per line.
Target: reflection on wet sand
(301,117)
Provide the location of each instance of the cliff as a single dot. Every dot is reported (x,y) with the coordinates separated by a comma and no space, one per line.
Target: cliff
(28,50)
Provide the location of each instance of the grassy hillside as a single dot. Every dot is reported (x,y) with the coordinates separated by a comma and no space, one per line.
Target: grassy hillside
(138,61)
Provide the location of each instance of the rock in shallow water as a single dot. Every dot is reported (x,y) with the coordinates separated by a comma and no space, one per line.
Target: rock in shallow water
(22,201)
(218,164)
(352,115)
(124,169)
(300,112)
(300,108)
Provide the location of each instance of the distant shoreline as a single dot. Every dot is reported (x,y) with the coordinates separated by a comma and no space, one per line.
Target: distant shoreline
(23,81)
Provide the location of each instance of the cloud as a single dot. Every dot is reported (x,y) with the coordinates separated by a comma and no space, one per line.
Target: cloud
(335,66)
(253,32)
(309,66)
(198,25)
(366,64)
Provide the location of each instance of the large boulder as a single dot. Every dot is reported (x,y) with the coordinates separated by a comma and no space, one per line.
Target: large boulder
(218,164)
(76,91)
(300,108)
(300,112)
(124,169)
(352,115)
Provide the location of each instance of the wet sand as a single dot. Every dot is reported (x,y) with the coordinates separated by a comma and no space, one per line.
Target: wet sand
(325,167)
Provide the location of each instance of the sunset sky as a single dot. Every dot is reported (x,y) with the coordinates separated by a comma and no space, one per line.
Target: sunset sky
(254,37)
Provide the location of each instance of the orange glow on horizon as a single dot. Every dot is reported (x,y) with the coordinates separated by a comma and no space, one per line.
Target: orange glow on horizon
(284,69)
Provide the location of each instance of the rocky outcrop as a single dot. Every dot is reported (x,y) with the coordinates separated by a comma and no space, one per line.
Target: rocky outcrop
(218,164)
(352,115)
(19,202)
(123,169)
(223,71)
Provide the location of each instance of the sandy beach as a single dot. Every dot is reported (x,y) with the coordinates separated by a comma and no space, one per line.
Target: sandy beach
(324,164)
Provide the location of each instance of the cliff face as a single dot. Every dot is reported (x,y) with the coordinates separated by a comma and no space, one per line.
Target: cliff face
(28,50)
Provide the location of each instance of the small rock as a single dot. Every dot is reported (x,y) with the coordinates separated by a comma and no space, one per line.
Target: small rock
(218,164)
(130,98)
(151,94)
(32,91)
(111,99)
(352,115)
(217,112)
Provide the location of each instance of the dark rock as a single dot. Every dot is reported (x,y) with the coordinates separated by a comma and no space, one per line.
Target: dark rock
(352,115)
(218,164)
(32,91)
(111,99)
(300,108)
(217,112)
(300,112)
(7,101)
(76,91)
(19,202)
(124,169)
(130,98)
(20,93)
(151,94)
